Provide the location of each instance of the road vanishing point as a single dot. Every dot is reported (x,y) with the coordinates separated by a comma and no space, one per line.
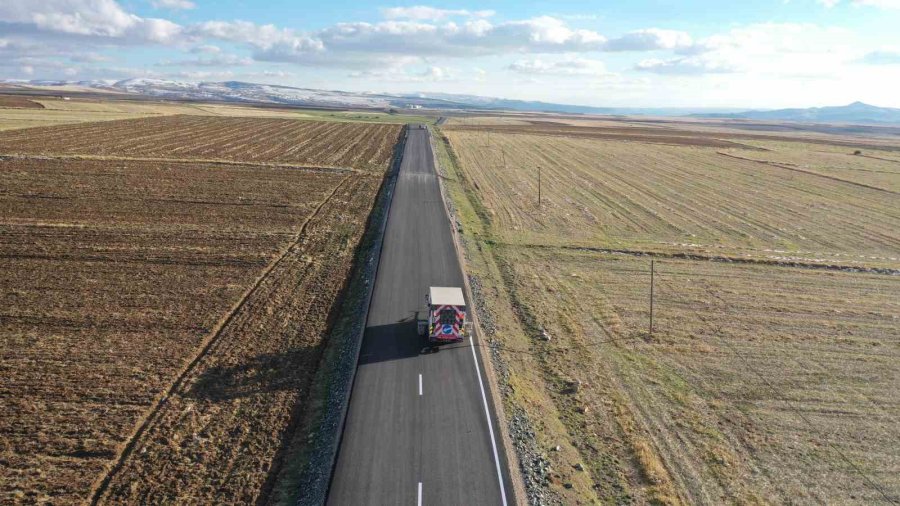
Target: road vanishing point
(421,427)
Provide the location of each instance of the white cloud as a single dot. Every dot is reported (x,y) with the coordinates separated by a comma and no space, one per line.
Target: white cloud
(421,47)
(436,73)
(782,49)
(878,4)
(425,13)
(198,75)
(886,56)
(429,74)
(219,60)
(88,58)
(355,43)
(258,36)
(96,18)
(566,67)
(648,40)
(173,4)
(578,17)
(689,65)
(881,4)
(206,49)
(276,73)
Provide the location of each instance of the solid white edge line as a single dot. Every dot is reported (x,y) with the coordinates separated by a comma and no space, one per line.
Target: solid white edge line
(487,414)
(420,384)
(420,494)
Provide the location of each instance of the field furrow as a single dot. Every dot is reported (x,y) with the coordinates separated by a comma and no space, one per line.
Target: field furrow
(216,138)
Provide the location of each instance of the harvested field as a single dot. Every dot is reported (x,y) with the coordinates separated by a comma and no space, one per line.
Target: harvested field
(60,112)
(633,134)
(19,102)
(363,146)
(763,382)
(673,198)
(871,167)
(163,318)
(93,106)
(686,133)
(745,362)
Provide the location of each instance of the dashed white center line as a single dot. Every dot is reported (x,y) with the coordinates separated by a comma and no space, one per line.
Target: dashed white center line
(420,384)
(420,490)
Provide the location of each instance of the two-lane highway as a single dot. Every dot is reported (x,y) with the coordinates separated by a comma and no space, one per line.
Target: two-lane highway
(420,428)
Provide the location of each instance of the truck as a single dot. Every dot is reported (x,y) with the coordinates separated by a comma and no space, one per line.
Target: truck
(444,318)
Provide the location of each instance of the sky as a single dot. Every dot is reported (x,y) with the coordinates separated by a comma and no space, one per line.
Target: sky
(635,53)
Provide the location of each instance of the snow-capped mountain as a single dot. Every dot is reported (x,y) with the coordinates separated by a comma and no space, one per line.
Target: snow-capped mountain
(237,91)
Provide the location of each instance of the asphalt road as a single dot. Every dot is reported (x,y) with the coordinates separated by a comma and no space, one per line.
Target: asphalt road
(408,440)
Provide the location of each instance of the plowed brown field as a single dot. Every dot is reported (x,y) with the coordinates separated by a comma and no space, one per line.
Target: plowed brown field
(162,319)
(357,145)
(19,102)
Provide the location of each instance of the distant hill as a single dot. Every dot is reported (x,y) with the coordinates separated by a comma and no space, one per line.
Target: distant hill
(236,91)
(476,101)
(857,112)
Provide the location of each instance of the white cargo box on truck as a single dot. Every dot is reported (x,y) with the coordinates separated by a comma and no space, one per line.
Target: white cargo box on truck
(446,296)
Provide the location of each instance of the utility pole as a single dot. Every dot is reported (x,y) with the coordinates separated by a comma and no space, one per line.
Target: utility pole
(539,186)
(652,269)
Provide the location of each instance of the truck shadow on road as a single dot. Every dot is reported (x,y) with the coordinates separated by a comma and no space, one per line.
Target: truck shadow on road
(395,341)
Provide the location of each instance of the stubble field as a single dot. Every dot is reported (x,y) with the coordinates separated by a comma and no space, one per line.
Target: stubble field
(163,317)
(768,377)
(647,196)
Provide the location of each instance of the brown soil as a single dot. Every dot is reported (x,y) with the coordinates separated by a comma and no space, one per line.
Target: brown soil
(357,145)
(19,102)
(162,319)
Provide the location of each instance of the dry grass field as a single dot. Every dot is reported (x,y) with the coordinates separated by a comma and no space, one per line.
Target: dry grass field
(48,111)
(163,317)
(770,376)
(645,196)
(56,111)
(865,167)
